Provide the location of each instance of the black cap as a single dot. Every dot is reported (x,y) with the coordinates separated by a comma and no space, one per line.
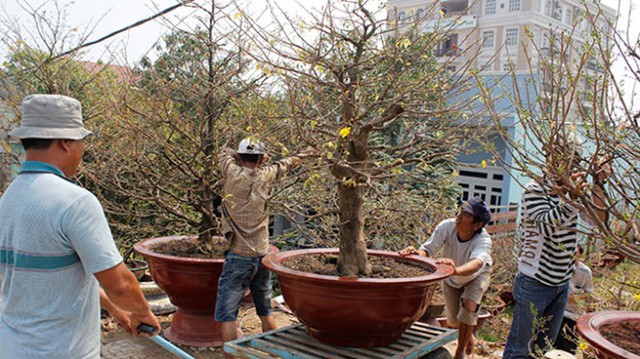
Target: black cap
(478,208)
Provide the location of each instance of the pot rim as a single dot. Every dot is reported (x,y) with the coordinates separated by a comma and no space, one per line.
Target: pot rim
(588,327)
(273,262)
(142,248)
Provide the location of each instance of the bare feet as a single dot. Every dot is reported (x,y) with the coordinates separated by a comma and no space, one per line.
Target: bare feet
(471,346)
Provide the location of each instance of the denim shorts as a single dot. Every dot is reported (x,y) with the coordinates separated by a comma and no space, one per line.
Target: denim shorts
(240,273)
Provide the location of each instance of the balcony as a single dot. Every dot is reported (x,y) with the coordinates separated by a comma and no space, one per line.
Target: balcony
(451,23)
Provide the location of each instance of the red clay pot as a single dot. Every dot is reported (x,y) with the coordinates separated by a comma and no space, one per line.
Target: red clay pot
(191,285)
(588,327)
(356,312)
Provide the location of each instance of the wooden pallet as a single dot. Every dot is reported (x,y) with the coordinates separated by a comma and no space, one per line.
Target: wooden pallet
(293,342)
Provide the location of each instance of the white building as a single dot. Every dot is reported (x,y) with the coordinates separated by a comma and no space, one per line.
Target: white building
(502,38)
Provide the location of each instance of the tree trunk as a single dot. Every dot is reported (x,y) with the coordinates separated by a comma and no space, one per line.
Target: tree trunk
(353,250)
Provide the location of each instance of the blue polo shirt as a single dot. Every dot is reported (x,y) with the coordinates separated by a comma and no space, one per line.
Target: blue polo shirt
(53,237)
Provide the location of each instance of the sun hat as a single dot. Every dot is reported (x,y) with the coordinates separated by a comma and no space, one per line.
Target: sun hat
(478,208)
(51,117)
(250,146)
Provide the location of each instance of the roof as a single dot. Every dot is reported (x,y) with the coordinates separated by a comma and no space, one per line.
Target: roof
(123,73)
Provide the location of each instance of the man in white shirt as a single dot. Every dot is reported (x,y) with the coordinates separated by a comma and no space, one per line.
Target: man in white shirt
(466,246)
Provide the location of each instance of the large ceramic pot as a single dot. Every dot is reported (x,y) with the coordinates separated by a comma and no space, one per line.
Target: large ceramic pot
(191,285)
(356,312)
(589,325)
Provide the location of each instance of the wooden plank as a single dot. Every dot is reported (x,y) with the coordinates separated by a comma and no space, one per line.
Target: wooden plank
(429,331)
(408,338)
(241,351)
(286,352)
(369,353)
(293,342)
(504,216)
(427,347)
(500,228)
(384,352)
(314,346)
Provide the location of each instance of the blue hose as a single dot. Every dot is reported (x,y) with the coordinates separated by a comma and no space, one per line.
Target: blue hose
(170,347)
(145,328)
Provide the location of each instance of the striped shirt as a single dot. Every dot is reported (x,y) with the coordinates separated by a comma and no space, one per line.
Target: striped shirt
(245,215)
(549,233)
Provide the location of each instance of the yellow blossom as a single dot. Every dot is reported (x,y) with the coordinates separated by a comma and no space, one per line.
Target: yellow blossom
(248,128)
(583,346)
(637,297)
(345,131)
(404,43)
(483,164)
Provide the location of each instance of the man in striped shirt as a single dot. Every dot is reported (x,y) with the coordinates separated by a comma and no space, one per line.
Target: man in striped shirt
(549,219)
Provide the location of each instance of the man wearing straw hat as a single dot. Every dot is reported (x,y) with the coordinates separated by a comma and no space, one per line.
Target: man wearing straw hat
(56,247)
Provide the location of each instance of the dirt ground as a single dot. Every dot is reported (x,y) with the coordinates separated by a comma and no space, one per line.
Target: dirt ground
(117,344)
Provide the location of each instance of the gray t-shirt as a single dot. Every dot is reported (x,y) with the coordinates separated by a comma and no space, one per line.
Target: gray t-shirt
(445,236)
(53,237)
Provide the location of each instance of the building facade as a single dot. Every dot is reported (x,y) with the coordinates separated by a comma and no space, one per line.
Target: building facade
(505,41)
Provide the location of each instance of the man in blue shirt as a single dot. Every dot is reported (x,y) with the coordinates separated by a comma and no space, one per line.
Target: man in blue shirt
(56,247)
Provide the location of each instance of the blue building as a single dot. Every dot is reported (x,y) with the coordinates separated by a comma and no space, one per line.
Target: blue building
(505,42)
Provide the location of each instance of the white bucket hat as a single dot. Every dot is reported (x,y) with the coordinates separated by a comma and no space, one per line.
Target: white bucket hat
(250,146)
(51,117)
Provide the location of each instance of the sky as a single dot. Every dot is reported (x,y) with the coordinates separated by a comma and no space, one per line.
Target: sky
(110,15)
(129,47)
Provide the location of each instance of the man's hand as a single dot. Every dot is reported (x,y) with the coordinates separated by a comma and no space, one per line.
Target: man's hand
(411,250)
(603,170)
(123,319)
(448,262)
(148,319)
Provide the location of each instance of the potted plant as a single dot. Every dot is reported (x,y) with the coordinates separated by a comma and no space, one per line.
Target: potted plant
(155,165)
(371,102)
(613,334)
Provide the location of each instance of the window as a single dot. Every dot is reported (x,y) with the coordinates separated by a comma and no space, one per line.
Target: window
(508,66)
(488,39)
(490,7)
(401,16)
(514,5)
(567,16)
(511,38)
(420,14)
(547,8)
(557,13)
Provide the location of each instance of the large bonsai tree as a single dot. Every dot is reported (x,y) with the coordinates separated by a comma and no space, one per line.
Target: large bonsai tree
(371,101)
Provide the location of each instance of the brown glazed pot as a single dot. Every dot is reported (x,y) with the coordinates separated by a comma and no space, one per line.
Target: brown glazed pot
(191,285)
(588,327)
(356,312)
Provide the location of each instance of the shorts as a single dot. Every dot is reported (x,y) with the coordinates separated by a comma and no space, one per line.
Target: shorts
(453,298)
(240,273)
